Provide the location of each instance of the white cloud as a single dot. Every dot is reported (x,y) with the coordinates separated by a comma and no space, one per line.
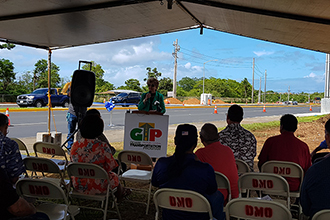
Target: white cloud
(262,53)
(187,65)
(311,75)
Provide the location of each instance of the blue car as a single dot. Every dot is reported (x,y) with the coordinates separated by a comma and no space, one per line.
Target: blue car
(132,98)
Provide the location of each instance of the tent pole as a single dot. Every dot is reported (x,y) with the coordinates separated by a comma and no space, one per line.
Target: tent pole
(49,89)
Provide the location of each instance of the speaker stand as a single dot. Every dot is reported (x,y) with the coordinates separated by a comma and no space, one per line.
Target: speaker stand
(111,125)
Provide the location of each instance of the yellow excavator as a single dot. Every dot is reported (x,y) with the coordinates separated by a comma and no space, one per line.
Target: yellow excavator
(64,90)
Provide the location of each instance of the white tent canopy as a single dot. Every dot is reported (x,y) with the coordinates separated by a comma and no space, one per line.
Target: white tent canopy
(57,24)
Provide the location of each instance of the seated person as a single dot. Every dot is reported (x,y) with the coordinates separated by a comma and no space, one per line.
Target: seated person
(314,195)
(14,207)
(219,156)
(10,156)
(152,101)
(286,147)
(319,156)
(91,150)
(183,170)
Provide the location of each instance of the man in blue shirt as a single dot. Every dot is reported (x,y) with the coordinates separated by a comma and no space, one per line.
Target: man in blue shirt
(10,157)
(315,191)
(183,170)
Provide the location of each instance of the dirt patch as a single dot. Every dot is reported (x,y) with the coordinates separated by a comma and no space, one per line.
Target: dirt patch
(193,101)
(218,101)
(172,101)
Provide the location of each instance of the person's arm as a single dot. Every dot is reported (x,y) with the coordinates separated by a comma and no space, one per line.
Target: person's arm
(323,145)
(304,198)
(22,208)
(15,164)
(162,104)
(143,104)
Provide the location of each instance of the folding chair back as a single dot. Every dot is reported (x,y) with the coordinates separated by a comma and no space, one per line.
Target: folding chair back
(249,208)
(136,157)
(21,147)
(51,149)
(38,188)
(267,183)
(87,170)
(44,165)
(283,168)
(223,183)
(322,215)
(183,200)
(242,166)
(92,171)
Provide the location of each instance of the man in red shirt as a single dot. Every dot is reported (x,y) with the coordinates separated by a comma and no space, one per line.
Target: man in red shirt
(286,147)
(219,156)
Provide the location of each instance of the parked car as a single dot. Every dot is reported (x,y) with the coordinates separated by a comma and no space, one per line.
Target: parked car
(39,98)
(129,98)
(287,103)
(294,103)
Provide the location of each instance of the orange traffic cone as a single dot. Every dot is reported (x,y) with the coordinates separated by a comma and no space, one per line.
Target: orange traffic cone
(215,110)
(310,107)
(7,114)
(264,109)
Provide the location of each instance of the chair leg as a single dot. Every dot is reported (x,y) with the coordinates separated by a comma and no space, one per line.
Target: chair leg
(148,202)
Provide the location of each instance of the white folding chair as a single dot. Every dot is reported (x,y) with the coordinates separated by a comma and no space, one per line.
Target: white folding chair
(54,150)
(322,215)
(242,166)
(136,175)
(183,200)
(286,169)
(92,171)
(42,189)
(223,183)
(249,208)
(44,165)
(266,183)
(21,147)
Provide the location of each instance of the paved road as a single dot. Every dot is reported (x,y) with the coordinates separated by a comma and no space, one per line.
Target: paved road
(27,124)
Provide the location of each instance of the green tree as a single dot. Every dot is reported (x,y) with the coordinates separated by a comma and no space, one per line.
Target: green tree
(40,75)
(187,83)
(25,83)
(100,84)
(7,46)
(165,84)
(133,84)
(7,74)
(152,73)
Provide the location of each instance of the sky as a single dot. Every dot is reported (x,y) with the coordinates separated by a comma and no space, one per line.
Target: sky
(224,55)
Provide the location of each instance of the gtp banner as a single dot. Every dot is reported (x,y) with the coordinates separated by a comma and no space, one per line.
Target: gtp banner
(147,133)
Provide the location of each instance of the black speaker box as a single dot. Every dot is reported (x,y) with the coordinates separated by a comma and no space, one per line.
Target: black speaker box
(82,88)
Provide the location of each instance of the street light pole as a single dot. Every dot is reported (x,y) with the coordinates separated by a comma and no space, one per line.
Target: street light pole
(204,72)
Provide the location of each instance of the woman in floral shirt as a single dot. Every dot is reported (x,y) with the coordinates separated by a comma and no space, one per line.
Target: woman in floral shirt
(90,150)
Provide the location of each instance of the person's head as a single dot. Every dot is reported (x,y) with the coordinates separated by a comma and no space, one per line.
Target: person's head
(91,126)
(235,114)
(4,122)
(93,111)
(209,134)
(152,84)
(327,132)
(289,123)
(185,139)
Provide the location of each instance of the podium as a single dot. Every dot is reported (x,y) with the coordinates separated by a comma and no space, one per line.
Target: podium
(146,132)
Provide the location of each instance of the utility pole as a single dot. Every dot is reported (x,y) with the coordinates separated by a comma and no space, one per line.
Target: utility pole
(265,87)
(259,95)
(252,99)
(175,55)
(327,77)
(289,94)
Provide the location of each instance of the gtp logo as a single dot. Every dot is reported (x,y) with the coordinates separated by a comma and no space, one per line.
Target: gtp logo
(145,132)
